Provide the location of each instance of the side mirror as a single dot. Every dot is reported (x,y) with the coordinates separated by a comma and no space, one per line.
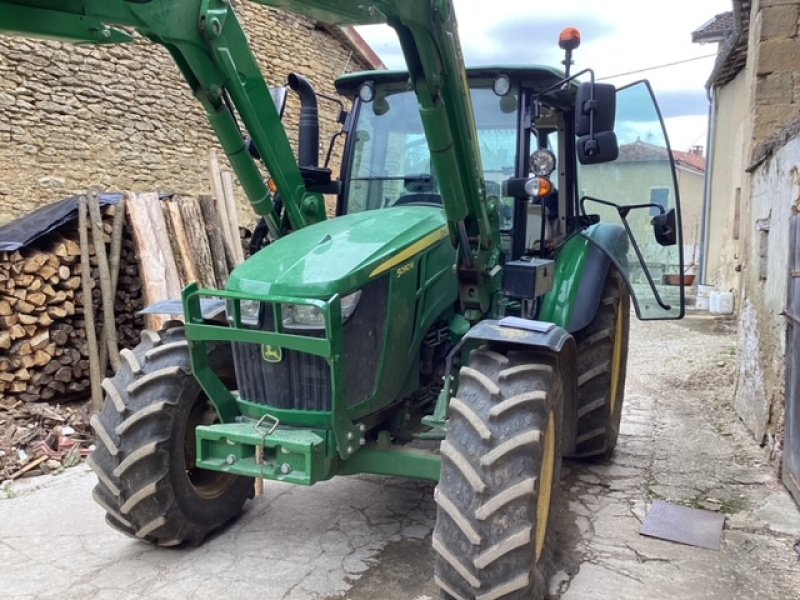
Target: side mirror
(600,148)
(665,228)
(598,100)
(595,113)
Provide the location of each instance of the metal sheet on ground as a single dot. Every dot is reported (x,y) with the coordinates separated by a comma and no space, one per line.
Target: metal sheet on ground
(692,526)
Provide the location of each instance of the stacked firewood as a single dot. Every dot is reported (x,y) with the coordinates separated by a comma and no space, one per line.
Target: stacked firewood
(68,302)
(43,347)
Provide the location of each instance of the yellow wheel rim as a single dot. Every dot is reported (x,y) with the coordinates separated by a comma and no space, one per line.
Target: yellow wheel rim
(545,484)
(616,357)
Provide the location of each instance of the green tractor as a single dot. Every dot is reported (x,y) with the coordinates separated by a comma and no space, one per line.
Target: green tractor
(463,319)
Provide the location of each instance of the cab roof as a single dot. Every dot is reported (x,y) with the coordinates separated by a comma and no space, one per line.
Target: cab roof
(536,77)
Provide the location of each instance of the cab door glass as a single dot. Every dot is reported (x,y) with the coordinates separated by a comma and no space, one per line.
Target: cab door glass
(639,192)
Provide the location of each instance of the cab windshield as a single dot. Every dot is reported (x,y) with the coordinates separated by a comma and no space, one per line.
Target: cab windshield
(391,162)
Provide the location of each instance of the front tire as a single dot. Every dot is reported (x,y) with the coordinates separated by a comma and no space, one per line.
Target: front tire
(500,473)
(602,364)
(148,483)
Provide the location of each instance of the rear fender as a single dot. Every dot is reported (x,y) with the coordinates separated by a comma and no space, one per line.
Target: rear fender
(581,269)
(555,347)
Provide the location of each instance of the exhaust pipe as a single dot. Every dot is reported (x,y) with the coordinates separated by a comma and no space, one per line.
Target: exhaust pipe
(308,146)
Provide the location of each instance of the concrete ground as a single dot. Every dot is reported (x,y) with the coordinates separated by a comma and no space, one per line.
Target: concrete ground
(368,537)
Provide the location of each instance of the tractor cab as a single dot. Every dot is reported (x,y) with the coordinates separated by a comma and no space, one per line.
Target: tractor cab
(527,131)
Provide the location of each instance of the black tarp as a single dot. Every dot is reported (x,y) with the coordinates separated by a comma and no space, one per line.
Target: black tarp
(26,230)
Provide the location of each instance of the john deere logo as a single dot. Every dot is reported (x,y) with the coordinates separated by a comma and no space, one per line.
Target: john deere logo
(273,354)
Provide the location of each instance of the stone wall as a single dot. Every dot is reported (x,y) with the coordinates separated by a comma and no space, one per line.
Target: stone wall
(774,199)
(775,48)
(122,117)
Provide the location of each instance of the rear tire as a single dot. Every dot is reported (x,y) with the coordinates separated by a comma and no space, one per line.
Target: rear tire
(148,483)
(500,472)
(602,364)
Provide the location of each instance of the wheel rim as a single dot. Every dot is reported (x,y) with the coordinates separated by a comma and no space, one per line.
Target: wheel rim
(545,484)
(205,483)
(616,357)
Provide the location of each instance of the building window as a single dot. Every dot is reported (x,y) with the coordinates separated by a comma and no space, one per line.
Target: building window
(659,197)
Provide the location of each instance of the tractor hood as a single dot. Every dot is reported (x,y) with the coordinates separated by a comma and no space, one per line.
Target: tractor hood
(340,255)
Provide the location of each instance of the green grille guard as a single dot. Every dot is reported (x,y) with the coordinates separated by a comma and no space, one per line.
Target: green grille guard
(200,333)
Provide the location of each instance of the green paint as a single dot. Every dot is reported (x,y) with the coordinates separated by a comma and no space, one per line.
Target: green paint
(559,304)
(335,256)
(291,455)
(394,461)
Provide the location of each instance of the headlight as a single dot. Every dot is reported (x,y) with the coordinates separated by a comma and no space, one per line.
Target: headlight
(349,304)
(543,161)
(538,187)
(306,316)
(249,311)
(302,316)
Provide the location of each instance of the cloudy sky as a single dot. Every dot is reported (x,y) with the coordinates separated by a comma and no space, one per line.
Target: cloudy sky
(618,36)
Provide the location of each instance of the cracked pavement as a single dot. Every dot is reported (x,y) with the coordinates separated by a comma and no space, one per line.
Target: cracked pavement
(369,537)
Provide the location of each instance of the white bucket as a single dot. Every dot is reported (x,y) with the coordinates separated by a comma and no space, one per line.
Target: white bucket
(703,295)
(721,303)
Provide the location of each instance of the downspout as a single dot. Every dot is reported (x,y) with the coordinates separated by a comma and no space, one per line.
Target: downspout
(705,225)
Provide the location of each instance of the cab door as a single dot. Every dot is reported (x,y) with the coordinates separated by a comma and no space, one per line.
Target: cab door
(639,192)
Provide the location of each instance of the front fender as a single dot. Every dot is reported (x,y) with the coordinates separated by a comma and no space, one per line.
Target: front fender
(555,347)
(581,269)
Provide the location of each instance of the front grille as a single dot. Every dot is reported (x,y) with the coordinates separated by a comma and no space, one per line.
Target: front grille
(302,381)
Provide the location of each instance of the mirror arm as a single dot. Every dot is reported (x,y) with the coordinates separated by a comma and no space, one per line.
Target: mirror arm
(561,82)
(638,252)
(623,212)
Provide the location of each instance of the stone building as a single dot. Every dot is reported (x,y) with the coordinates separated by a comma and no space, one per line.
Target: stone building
(121,117)
(752,205)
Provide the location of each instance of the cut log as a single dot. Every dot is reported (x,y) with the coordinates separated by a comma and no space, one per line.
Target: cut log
(197,240)
(233,217)
(215,239)
(34,263)
(185,251)
(40,340)
(157,272)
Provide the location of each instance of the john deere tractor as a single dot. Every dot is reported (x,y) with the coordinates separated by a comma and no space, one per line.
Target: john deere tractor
(463,319)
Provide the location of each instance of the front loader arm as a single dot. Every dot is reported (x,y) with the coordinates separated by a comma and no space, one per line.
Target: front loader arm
(428,36)
(209,46)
